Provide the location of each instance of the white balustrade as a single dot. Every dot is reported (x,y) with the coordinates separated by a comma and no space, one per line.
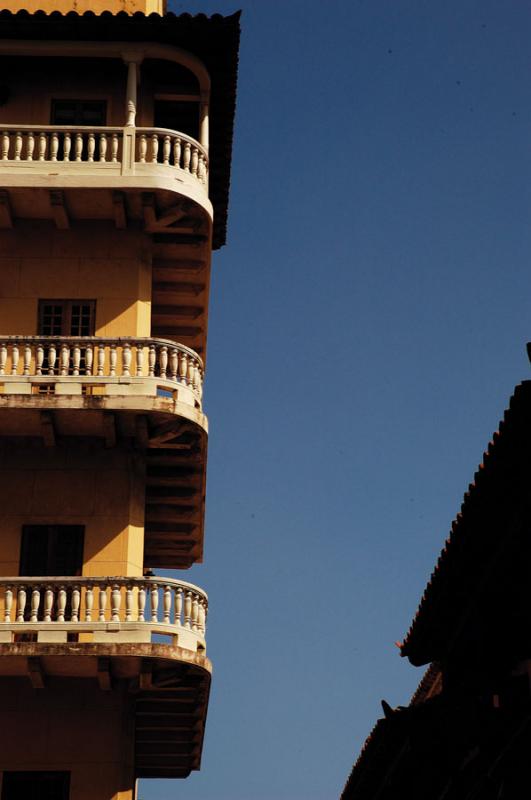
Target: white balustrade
(170,148)
(61,144)
(91,356)
(44,603)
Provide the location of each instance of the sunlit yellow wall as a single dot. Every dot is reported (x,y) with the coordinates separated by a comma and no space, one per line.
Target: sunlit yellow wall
(74,727)
(75,484)
(97,6)
(91,261)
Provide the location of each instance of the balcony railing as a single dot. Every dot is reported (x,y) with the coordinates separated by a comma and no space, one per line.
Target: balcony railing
(89,360)
(122,609)
(104,148)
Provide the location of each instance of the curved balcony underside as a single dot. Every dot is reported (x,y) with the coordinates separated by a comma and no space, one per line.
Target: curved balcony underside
(158,416)
(83,160)
(165,687)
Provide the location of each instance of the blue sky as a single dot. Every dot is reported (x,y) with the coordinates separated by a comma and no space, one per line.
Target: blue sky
(368,323)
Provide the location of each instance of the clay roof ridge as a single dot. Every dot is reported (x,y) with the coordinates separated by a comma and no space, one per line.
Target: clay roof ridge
(459,524)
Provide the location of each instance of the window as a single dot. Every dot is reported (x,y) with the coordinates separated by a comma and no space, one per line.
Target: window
(79,112)
(51,550)
(66,317)
(177,115)
(36,786)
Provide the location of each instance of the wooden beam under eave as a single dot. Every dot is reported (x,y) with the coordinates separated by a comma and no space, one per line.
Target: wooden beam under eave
(109,430)
(104,674)
(35,672)
(59,211)
(146,675)
(119,210)
(148,210)
(6,217)
(48,429)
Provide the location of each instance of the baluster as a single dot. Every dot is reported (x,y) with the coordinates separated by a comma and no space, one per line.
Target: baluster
(141,603)
(39,359)
(14,358)
(201,168)
(202,617)
(42,146)
(21,603)
(163,360)
(126,359)
(48,604)
(52,352)
(166,150)
(142,148)
(65,358)
(139,359)
(89,603)
(79,146)
(190,373)
(30,145)
(101,359)
(3,358)
(67,145)
(196,380)
(55,146)
(5,146)
(154,602)
(177,151)
(35,600)
(187,608)
(129,603)
(195,612)
(27,358)
(174,363)
(187,156)
(178,606)
(152,360)
(154,148)
(18,145)
(91,146)
(102,602)
(8,604)
(195,161)
(61,604)
(183,367)
(116,600)
(103,146)
(112,360)
(89,357)
(167,604)
(76,598)
(114,148)
(76,359)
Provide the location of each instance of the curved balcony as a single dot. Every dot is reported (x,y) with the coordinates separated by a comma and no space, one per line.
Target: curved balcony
(107,609)
(88,365)
(109,633)
(111,158)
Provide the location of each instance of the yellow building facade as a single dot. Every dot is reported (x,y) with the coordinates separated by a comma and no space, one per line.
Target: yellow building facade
(115,142)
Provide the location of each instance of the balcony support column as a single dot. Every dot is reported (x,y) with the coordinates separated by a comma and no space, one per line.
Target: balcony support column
(203,121)
(131,90)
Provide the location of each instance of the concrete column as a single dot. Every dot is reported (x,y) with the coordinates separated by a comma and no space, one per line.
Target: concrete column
(203,121)
(131,96)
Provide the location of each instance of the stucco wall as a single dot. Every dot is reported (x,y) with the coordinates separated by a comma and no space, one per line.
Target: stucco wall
(91,261)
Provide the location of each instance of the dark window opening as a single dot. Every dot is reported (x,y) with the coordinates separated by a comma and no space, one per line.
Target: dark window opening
(66,317)
(36,786)
(54,550)
(181,116)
